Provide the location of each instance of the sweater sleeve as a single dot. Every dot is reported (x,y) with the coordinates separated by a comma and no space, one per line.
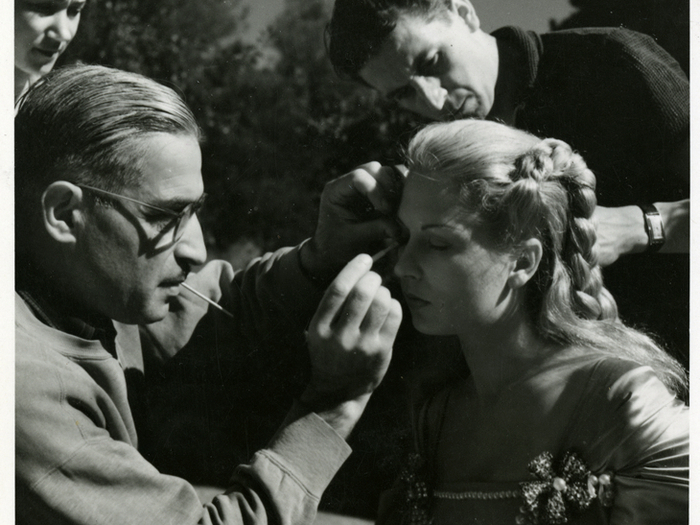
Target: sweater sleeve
(272,288)
(107,481)
(76,459)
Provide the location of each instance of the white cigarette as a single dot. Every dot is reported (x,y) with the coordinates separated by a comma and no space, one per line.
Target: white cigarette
(202,296)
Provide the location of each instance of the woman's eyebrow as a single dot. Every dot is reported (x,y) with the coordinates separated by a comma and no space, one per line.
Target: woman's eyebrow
(440,225)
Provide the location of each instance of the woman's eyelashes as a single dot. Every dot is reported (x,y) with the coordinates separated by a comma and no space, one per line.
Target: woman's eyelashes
(436,241)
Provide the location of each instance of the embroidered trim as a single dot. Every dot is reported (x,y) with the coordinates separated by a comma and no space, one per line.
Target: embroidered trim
(416,491)
(477,494)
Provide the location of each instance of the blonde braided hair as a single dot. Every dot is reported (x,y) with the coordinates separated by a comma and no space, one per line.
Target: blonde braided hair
(519,186)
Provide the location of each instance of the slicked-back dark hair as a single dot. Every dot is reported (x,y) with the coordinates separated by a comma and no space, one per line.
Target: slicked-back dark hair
(358,28)
(86,124)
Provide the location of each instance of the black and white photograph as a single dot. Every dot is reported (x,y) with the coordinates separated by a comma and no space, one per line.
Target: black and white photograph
(349,262)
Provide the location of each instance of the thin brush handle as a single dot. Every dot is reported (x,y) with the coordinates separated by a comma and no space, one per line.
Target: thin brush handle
(202,296)
(383,252)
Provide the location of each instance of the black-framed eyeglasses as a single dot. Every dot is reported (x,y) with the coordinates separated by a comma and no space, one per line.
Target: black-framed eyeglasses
(179,219)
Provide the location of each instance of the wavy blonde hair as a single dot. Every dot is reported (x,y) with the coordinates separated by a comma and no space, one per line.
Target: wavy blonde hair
(520,187)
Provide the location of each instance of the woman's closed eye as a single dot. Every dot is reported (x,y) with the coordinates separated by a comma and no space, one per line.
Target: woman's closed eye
(438,244)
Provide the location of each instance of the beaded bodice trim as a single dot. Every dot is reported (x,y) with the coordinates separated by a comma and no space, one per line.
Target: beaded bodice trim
(559,488)
(477,494)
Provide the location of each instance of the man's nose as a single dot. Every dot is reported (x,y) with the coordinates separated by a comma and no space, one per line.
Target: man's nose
(191,245)
(430,90)
(61,27)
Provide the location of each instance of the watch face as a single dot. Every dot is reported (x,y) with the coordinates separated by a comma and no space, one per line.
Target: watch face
(656,228)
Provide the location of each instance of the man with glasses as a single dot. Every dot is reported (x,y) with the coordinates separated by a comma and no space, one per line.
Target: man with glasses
(108,183)
(175,221)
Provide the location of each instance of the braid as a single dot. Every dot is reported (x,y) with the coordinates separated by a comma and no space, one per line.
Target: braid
(567,187)
(521,187)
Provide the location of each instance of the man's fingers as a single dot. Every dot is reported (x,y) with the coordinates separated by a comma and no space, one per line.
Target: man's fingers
(369,233)
(381,186)
(377,312)
(393,320)
(340,288)
(358,303)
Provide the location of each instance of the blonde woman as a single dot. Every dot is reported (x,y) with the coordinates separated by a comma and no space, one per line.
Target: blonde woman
(567,415)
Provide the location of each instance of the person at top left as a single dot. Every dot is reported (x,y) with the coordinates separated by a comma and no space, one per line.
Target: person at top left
(43,30)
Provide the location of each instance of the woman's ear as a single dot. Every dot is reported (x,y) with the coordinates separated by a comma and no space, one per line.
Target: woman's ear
(61,207)
(465,10)
(530,255)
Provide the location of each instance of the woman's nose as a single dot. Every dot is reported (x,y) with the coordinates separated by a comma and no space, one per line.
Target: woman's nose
(62,27)
(405,266)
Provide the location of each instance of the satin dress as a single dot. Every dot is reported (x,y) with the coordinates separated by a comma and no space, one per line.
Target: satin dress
(583,439)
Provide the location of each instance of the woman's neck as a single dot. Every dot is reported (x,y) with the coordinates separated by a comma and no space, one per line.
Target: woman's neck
(502,354)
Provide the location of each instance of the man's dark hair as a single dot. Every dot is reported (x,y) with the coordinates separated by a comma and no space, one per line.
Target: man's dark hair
(358,28)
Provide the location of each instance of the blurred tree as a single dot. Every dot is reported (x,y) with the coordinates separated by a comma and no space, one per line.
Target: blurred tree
(301,127)
(278,122)
(667,21)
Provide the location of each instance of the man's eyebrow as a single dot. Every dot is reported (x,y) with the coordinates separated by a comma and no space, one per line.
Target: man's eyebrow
(175,204)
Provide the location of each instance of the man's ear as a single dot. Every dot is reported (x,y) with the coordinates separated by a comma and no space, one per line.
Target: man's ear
(61,207)
(526,264)
(465,10)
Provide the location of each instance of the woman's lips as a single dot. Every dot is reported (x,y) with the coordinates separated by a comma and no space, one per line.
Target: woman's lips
(414,301)
(47,53)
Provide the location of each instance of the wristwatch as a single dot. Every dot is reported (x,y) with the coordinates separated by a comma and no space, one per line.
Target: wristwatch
(654,226)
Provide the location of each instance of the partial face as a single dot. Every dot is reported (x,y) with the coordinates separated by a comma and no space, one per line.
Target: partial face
(127,258)
(453,283)
(43,30)
(443,69)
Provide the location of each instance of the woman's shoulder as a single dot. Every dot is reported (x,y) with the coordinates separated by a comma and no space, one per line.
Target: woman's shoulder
(623,413)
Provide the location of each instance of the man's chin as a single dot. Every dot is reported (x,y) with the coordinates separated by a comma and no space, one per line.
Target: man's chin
(152,314)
